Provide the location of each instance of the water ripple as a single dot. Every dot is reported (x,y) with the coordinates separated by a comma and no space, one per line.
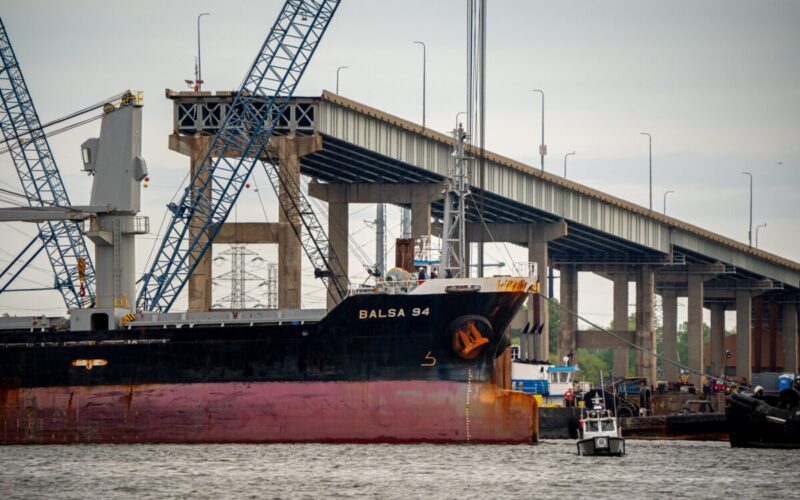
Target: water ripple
(652,469)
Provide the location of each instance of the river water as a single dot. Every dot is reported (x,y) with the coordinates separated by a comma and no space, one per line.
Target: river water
(652,469)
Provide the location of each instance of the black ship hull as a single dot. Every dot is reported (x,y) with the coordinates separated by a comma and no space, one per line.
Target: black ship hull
(378,368)
(755,423)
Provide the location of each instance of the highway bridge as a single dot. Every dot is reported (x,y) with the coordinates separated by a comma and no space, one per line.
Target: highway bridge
(358,154)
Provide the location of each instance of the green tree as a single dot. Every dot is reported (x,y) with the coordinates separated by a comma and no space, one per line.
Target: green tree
(683,340)
(554,323)
(592,361)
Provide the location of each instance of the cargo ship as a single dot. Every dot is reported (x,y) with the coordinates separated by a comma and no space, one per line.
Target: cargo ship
(380,367)
(398,362)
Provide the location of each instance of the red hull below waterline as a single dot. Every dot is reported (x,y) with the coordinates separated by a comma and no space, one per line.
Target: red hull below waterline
(269,412)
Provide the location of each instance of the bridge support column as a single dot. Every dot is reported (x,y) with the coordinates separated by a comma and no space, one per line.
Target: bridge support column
(620,322)
(419,196)
(421,219)
(538,236)
(568,322)
(338,232)
(717,339)
(538,345)
(645,335)
(195,147)
(790,355)
(669,300)
(744,335)
(338,196)
(290,149)
(695,334)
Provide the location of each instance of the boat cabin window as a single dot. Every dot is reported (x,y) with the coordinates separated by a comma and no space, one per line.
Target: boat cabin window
(607,425)
(592,426)
(561,377)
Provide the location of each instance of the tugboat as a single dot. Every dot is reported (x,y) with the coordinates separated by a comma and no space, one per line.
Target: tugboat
(764,421)
(599,433)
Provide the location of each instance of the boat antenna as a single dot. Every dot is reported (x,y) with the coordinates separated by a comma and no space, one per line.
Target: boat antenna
(603,389)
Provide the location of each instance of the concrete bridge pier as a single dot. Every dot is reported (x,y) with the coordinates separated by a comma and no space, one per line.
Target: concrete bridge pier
(620,322)
(695,333)
(339,196)
(568,326)
(195,147)
(538,237)
(338,235)
(690,281)
(290,149)
(744,335)
(717,338)
(645,333)
(535,237)
(790,354)
(669,322)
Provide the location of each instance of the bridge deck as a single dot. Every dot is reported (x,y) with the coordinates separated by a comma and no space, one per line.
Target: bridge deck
(365,145)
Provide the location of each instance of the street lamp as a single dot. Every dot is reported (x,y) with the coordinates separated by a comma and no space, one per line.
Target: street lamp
(542,146)
(750,231)
(424,68)
(565,162)
(757,228)
(650,142)
(459,114)
(199,76)
(337,76)
(665,200)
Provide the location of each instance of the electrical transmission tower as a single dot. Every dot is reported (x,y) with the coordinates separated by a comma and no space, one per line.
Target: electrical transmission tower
(272,285)
(238,276)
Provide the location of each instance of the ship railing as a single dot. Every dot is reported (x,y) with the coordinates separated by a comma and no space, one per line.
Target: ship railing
(388,286)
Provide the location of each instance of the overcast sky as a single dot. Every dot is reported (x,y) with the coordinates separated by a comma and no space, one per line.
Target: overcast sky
(717,83)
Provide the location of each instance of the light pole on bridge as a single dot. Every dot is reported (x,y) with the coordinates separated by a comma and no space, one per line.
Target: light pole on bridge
(665,200)
(424,71)
(750,231)
(542,146)
(565,162)
(650,142)
(199,77)
(337,76)
(757,228)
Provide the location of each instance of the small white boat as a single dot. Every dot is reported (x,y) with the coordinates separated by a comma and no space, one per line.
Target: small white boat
(599,433)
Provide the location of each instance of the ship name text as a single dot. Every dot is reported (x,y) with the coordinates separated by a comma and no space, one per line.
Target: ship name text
(393,312)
